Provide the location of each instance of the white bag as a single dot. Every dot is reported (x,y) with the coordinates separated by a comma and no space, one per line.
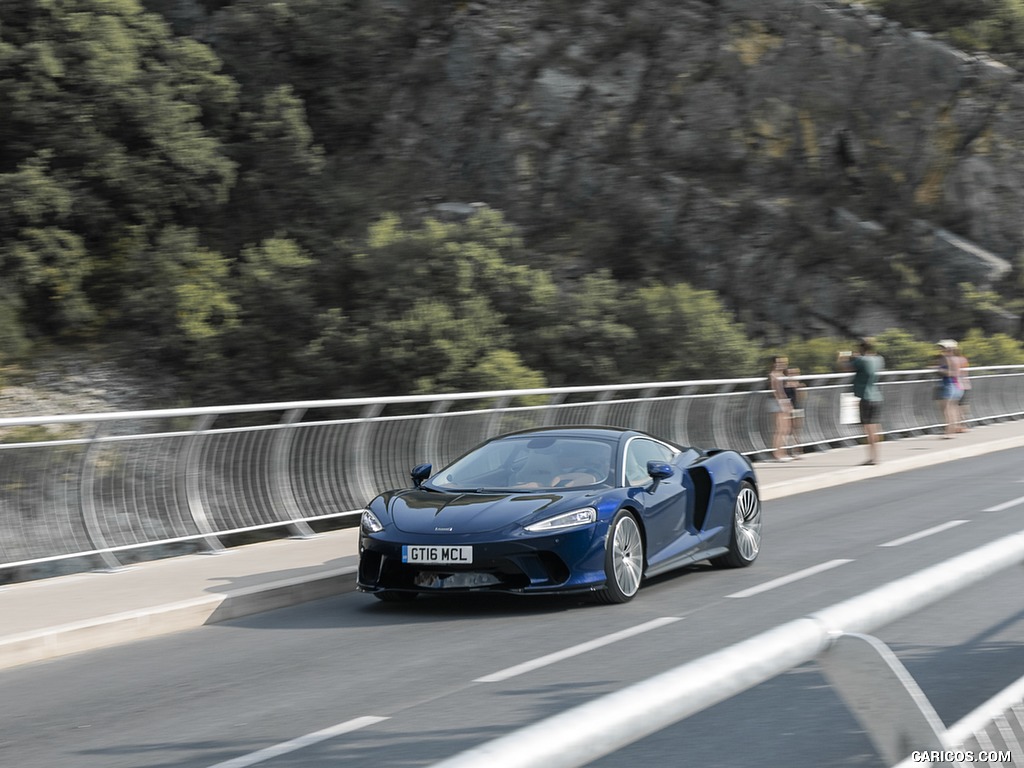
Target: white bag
(849,408)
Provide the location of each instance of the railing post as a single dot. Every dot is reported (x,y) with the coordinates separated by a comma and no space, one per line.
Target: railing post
(552,407)
(494,419)
(642,413)
(680,430)
(190,479)
(429,441)
(882,695)
(719,405)
(600,412)
(87,504)
(364,481)
(283,488)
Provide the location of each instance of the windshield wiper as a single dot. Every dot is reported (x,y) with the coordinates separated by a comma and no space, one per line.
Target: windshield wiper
(504,490)
(480,490)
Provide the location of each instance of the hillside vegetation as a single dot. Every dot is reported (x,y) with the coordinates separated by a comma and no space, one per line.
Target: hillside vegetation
(323,198)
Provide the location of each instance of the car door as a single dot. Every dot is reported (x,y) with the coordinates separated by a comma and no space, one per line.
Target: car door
(666,506)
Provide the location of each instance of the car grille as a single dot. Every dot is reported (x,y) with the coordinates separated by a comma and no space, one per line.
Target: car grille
(513,573)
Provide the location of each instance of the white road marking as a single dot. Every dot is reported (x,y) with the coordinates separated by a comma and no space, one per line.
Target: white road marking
(922,534)
(1006,505)
(576,650)
(783,580)
(302,741)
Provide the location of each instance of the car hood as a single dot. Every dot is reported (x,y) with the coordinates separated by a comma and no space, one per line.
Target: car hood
(422,511)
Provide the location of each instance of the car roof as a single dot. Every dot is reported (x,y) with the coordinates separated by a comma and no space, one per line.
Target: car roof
(593,432)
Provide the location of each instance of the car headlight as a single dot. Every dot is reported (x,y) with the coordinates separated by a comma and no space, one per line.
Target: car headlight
(368,522)
(577,517)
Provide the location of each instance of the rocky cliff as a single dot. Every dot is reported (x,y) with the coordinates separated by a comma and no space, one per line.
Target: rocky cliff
(822,167)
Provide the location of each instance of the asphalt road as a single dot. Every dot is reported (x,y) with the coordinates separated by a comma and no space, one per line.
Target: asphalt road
(350,681)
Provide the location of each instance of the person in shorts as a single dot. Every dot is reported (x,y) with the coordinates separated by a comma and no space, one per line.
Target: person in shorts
(866,365)
(950,389)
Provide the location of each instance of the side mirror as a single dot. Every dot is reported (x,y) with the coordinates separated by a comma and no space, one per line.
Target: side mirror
(659,470)
(420,473)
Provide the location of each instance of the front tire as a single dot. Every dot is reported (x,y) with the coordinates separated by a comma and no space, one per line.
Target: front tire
(623,560)
(745,543)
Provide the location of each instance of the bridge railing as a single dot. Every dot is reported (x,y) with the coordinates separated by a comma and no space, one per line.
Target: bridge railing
(102,485)
(994,728)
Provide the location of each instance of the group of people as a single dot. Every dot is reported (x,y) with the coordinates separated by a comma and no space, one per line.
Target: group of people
(786,406)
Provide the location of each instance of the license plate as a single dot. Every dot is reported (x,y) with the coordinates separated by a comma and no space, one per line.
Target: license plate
(437,555)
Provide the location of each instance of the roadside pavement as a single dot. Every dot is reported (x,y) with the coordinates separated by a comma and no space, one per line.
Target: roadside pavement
(49,618)
(838,466)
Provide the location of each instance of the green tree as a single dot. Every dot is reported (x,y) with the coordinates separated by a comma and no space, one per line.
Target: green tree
(686,333)
(44,261)
(334,55)
(903,352)
(588,339)
(110,128)
(274,295)
(280,186)
(437,306)
(339,62)
(13,342)
(431,346)
(815,355)
(997,349)
(454,260)
(501,369)
(183,303)
(434,346)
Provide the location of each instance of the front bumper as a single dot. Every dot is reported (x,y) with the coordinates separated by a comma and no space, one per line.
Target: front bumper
(571,561)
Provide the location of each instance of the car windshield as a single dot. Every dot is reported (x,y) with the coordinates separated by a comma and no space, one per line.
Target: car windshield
(528,462)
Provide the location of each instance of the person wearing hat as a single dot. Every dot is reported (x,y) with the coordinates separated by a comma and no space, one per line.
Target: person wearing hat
(949,390)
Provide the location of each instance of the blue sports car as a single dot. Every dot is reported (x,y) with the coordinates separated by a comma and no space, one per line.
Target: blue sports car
(559,510)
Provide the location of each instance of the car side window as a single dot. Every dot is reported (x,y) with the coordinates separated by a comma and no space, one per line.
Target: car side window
(638,453)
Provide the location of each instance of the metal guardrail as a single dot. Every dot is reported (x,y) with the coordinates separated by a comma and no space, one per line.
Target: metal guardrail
(866,675)
(994,728)
(992,734)
(104,484)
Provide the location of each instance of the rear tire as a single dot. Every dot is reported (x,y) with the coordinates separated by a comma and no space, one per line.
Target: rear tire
(623,560)
(745,543)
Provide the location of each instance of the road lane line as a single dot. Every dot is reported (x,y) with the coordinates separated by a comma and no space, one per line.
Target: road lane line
(783,580)
(1006,505)
(302,741)
(576,650)
(925,532)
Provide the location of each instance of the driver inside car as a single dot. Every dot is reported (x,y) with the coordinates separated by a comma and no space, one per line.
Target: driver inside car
(568,464)
(580,464)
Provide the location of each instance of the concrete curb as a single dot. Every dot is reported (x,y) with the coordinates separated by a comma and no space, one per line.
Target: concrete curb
(115,629)
(781,489)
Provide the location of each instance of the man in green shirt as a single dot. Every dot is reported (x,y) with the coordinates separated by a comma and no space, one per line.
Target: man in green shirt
(866,366)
